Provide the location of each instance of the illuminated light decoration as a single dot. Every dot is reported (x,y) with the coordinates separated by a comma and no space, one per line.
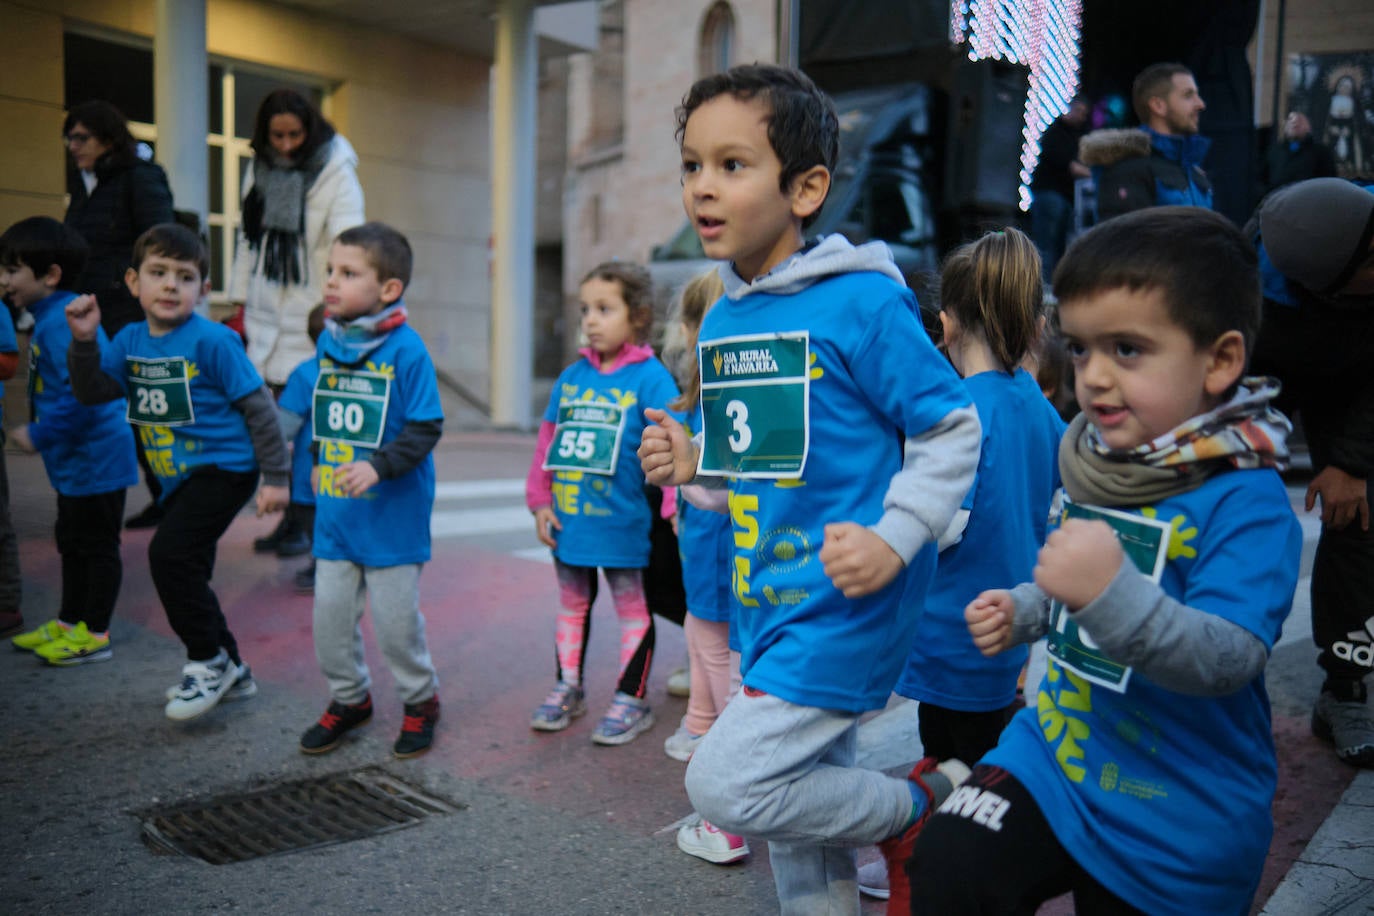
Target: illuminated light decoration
(1041,34)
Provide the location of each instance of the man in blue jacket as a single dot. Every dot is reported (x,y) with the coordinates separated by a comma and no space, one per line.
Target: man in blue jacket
(1159,163)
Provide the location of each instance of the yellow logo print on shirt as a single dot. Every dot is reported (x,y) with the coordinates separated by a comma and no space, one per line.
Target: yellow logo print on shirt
(816,371)
(1178,535)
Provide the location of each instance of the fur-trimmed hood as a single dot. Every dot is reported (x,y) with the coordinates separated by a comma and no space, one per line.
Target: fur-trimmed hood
(1111,145)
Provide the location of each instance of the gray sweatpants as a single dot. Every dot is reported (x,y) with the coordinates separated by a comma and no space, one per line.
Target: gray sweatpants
(341,590)
(785,773)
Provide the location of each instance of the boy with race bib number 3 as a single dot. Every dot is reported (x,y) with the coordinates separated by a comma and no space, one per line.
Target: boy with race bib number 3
(847,443)
(208,427)
(586,491)
(375,419)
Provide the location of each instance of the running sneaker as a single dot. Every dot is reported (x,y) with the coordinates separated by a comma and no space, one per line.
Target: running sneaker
(623,722)
(43,633)
(244,687)
(873,880)
(203,685)
(680,681)
(681,744)
(564,703)
(707,841)
(417,729)
(76,646)
(1346,724)
(338,720)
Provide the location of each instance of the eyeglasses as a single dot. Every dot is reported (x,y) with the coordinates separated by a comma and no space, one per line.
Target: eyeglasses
(76,138)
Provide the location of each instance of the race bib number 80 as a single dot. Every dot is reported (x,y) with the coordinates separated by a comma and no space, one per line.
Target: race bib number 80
(755,405)
(350,407)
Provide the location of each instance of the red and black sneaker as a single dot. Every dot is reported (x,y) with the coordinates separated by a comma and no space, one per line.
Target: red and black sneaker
(417,729)
(937,780)
(338,720)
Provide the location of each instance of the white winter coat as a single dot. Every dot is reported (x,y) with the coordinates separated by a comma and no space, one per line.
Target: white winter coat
(274,316)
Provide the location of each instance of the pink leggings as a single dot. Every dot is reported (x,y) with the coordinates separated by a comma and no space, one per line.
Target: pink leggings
(577,586)
(709,657)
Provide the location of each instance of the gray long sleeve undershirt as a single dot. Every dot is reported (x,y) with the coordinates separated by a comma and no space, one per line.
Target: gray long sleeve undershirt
(398,457)
(1180,648)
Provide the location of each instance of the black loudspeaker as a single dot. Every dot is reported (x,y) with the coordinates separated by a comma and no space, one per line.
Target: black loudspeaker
(987,112)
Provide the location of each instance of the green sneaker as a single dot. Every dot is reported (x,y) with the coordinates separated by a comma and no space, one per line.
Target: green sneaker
(75,647)
(45,633)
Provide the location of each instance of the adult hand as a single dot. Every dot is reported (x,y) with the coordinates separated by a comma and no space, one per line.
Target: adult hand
(666,453)
(545,524)
(83,317)
(1344,498)
(857,561)
(1078,562)
(989,619)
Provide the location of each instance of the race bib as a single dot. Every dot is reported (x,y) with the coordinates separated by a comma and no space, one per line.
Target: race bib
(587,438)
(159,391)
(350,407)
(1146,543)
(755,405)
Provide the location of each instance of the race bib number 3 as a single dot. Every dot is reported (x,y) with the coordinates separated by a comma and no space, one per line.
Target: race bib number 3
(350,407)
(159,392)
(586,438)
(1145,542)
(755,405)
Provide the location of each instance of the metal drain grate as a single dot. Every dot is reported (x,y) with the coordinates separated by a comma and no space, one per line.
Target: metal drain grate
(289,818)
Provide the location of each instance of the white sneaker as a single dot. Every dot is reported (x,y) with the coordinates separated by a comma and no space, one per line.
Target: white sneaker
(680,682)
(707,841)
(681,744)
(203,684)
(873,880)
(244,687)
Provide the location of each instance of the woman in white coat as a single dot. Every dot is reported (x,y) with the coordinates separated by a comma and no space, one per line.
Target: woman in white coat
(301,192)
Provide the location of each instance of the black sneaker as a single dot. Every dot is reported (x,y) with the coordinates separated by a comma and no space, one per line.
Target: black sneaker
(417,730)
(269,543)
(295,543)
(305,578)
(338,720)
(148,518)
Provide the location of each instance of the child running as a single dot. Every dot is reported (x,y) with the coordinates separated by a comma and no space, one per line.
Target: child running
(208,427)
(1143,779)
(848,443)
(586,491)
(707,549)
(990,301)
(376,417)
(88,452)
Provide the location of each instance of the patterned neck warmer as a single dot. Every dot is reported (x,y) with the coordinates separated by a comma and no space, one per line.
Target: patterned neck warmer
(1245,432)
(351,342)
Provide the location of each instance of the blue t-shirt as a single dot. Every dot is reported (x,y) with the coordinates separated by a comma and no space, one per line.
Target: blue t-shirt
(606,518)
(86,449)
(875,380)
(296,397)
(1162,797)
(1009,507)
(219,374)
(707,548)
(389,524)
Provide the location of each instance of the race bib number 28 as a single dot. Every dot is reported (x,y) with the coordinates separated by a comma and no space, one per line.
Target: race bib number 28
(159,391)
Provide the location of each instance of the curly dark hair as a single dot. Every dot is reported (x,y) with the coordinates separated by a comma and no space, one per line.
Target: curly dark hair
(318,130)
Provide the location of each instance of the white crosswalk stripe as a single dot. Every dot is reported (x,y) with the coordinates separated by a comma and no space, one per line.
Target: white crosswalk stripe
(486,508)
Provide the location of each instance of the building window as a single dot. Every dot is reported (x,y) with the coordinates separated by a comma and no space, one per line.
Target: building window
(120,71)
(716,52)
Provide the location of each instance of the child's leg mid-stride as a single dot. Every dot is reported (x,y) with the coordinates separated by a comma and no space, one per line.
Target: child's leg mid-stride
(87,535)
(785,773)
(181,559)
(573,627)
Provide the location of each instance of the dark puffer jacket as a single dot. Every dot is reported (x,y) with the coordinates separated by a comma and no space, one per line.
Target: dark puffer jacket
(1137,168)
(130,196)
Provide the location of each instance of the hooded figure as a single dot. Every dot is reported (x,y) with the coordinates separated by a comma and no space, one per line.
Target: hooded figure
(1316,251)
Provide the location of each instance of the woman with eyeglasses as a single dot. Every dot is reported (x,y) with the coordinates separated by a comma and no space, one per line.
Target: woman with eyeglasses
(115,195)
